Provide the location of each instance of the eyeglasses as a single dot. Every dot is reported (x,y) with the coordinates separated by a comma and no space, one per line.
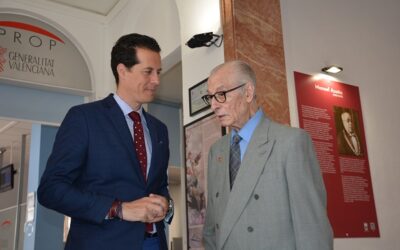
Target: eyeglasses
(219,96)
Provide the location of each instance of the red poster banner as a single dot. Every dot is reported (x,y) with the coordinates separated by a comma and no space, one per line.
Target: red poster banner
(331,113)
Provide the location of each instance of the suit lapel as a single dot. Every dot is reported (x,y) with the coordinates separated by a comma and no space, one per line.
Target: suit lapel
(114,112)
(220,177)
(154,145)
(252,166)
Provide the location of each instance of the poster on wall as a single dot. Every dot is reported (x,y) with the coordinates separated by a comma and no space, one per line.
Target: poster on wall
(331,113)
(199,136)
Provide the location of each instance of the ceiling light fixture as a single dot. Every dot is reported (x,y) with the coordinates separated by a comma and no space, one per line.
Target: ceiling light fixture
(333,69)
(205,40)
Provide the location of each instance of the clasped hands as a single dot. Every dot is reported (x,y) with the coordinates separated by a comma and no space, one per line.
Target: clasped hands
(147,209)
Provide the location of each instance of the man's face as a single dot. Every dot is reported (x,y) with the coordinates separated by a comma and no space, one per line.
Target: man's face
(347,122)
(139,83)
(234,112)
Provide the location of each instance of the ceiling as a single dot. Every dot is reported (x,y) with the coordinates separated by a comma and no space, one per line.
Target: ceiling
(102,7)
(99,7)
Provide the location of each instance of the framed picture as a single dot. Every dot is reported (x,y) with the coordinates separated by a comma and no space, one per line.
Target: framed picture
(196,104)
(199,136)
(7,177)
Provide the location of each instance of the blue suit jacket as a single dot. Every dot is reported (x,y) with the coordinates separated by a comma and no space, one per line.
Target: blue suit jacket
(93,162)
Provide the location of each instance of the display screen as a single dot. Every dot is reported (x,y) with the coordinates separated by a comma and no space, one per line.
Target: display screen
(6,177)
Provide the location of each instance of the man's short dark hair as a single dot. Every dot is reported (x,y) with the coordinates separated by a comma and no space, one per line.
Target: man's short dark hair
(124,50)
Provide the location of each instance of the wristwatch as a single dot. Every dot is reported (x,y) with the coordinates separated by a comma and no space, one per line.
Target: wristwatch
(170,211)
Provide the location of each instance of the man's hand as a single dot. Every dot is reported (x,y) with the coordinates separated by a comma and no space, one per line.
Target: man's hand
(147,209)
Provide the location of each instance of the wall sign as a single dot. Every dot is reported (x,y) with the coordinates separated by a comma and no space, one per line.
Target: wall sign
(331,113)
(35,54)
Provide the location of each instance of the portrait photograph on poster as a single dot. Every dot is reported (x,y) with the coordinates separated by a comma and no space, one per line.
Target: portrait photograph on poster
(347,131)
(199,136)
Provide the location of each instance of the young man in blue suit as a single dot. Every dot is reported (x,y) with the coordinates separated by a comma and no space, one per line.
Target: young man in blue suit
(116,195)
(265,189)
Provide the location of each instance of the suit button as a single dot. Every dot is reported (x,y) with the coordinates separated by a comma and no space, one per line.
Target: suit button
(217,194)
(256,196)
(250,229)
(217,226)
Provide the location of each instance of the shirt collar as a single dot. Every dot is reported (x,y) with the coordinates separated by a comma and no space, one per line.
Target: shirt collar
(247,130)
(126,109)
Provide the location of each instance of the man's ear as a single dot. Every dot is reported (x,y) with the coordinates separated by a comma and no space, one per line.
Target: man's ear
(121,69)
(250,92)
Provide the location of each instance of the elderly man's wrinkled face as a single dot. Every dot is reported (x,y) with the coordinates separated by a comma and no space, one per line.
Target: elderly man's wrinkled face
(234,112)
(347,122)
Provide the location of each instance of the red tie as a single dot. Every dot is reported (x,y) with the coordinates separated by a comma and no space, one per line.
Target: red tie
(140,145)
(140,148)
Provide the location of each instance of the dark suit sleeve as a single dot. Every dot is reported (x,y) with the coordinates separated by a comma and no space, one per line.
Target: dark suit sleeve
(160,159)
(307,196)
(58,189)
(164,185)
(160,156)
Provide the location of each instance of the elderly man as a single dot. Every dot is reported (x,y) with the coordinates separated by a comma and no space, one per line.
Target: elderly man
(265,189)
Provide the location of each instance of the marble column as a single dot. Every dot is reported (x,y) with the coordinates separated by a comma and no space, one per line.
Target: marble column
(253,33)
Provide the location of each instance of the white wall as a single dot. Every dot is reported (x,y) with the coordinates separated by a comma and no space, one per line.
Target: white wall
(363,37)
(158,19)
(198,17)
